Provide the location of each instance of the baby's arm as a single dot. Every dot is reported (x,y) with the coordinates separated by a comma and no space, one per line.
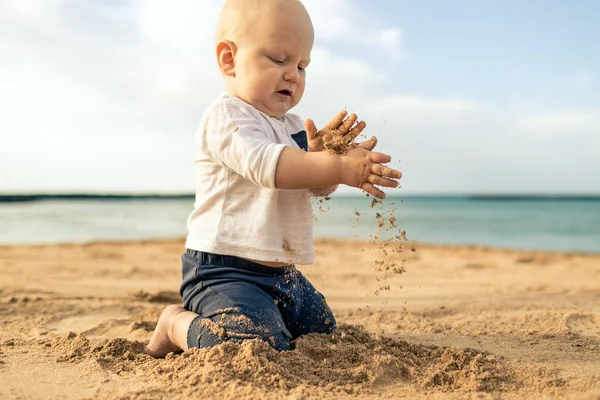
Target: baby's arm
(359,167)
(233,138)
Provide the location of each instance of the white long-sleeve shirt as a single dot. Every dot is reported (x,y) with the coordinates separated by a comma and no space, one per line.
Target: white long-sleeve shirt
(238,210)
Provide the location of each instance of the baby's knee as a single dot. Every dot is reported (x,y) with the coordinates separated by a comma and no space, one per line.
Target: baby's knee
(326,322)
(238,328)
(329,322)
(267,326)
(278,340)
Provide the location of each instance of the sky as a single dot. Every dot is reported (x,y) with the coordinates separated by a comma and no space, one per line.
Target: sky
(105,96)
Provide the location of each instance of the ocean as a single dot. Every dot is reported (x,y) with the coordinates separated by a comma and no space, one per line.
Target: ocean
(518,222)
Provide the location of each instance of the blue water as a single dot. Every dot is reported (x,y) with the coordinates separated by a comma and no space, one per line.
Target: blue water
(522,223)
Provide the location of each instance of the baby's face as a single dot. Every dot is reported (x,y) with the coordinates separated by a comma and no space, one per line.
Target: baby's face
(270,64)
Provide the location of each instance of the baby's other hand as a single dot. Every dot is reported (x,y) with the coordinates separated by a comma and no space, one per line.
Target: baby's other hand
(337,135)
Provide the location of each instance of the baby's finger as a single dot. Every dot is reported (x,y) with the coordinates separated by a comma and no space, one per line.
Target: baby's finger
(350,136)
(311,129)
(369,144)
(378,180)
(386,172)
(346,125)
(337,120)
(372,190)
(379,158)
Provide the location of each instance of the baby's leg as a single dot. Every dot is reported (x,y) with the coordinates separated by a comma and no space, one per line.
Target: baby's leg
(315,316)
(236,311)
(171,331)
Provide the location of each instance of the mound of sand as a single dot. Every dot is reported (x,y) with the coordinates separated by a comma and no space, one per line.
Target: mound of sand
(349,361)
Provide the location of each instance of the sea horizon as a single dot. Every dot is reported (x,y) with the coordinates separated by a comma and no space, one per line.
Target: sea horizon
(552,222)
(83,195)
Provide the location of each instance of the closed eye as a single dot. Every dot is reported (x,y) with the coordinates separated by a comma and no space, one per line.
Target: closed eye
(277,61)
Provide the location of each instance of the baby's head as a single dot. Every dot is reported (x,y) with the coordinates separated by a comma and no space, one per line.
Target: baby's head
(263,48)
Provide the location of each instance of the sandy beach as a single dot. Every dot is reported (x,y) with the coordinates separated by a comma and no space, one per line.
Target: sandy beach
(460,322)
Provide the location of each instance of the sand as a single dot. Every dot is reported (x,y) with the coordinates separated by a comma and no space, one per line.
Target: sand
(459,323)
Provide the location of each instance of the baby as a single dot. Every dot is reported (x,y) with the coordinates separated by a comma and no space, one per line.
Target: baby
(256,170)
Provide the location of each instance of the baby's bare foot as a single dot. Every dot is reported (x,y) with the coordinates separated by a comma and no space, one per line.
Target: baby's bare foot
(161,343)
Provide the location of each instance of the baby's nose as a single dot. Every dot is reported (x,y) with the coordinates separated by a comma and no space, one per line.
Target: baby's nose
(292,75)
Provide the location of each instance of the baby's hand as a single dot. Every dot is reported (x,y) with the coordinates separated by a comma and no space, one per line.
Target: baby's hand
(337,135)
(363,169)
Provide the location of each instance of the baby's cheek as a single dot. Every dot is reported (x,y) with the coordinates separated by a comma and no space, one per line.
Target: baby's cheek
(258,91)
(298,95)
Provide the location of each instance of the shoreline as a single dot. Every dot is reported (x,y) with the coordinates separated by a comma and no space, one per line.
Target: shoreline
(368,242)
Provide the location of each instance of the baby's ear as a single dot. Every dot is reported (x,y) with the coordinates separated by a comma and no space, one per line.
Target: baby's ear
(226,57)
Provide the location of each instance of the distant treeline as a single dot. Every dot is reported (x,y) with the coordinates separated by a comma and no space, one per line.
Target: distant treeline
(517,197)
(507,197)
(15,198)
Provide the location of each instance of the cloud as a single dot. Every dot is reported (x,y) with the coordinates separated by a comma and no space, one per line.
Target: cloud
(341,22)
(566,122)
(390,40)
(583,80)
(415,108)
(106,96)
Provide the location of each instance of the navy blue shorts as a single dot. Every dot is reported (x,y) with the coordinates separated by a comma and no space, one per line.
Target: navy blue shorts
(237,300)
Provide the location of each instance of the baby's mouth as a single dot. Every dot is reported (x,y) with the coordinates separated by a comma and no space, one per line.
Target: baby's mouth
(285,92)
